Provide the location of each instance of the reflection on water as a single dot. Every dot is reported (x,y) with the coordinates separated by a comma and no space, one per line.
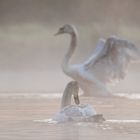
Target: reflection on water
(58,95)
(129,96)
(27,117)
(51,121)
(123,121)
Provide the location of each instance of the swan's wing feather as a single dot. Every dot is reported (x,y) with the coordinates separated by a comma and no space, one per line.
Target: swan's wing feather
(111,60)
(120,47)
(99,52)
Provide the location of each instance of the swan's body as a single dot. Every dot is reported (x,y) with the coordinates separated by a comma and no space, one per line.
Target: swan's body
(77,112)
(106,65)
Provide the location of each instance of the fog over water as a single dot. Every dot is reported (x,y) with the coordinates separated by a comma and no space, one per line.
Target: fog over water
(30,55)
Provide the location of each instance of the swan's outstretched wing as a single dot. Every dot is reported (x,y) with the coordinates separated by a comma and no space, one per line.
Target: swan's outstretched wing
(99,52)
(111,58)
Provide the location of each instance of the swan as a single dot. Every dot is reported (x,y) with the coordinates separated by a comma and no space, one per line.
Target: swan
(107,65)
(76,112)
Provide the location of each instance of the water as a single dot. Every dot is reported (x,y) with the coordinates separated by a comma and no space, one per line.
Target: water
(27,116)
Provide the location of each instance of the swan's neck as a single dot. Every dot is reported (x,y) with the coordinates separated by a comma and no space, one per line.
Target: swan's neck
(66,98)
(66,61)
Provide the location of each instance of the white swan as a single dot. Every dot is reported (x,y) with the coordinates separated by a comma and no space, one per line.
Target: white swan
(108,64)
(79,112)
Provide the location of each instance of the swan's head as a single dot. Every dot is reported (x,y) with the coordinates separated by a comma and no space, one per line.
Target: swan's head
(68,29)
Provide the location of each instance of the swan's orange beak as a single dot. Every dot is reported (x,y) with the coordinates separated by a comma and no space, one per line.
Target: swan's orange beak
(76,100)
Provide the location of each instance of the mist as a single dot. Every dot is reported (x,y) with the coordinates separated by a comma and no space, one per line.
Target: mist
(30,54)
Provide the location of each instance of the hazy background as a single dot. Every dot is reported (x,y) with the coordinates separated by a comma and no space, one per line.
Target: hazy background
(30,55)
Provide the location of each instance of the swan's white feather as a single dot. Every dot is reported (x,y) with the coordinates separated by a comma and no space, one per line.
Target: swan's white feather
(108,64)
(75,113)
(112,59)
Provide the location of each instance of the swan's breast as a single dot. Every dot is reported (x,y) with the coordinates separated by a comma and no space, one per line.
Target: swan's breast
(79,110)
(78,113)
(75,113)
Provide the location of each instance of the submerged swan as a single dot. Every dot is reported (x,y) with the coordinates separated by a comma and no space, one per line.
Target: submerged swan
(107,65)
(78,112)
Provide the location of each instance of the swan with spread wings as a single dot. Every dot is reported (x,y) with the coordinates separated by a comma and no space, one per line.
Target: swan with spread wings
(107,65)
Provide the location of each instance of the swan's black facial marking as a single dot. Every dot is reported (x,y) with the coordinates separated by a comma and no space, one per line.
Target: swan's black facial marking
(65,29)
(60,31)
